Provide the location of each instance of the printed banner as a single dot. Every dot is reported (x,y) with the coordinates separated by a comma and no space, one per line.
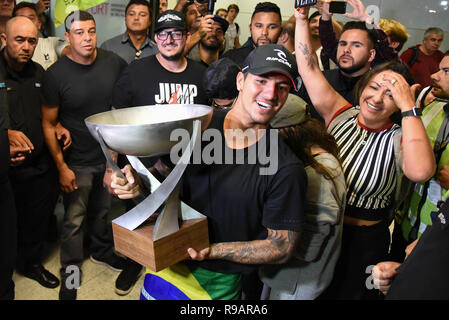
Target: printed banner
(64,7)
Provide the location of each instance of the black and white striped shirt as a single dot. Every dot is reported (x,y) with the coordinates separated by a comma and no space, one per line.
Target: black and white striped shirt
(368,163)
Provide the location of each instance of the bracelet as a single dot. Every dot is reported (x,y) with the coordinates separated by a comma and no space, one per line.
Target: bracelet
(415,112)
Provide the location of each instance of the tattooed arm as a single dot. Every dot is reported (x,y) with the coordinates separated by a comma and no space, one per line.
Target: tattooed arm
(277,248)
(324,98)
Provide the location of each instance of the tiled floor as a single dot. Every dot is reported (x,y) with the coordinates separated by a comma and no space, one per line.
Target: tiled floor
(98,281)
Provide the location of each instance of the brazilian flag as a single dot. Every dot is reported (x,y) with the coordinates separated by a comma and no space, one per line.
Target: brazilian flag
(180,282)
(64,7)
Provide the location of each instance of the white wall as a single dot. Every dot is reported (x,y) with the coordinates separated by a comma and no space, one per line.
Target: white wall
(416,15)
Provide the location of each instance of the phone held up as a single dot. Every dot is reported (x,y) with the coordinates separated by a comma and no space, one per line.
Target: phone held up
(337,7)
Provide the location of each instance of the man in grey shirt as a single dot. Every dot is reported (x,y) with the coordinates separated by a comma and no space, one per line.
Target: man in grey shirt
(135,43)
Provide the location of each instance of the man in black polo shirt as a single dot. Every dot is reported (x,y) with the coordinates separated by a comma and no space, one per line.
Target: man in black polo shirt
(33,181)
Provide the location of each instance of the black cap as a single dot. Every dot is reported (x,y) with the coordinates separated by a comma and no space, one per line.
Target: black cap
(271,58)
(223,23)
(171,19)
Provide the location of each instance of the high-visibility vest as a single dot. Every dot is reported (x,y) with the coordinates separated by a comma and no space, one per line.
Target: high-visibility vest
(413,225)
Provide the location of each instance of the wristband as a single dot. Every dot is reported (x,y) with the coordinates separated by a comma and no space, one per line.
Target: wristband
(415,112)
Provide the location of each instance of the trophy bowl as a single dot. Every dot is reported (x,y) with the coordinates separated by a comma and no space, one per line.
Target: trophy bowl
(142,132)
(145,131)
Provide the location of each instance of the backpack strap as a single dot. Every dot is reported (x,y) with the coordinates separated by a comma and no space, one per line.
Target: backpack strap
(415,54)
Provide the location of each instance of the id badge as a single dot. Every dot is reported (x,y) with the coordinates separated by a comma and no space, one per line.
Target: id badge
(434,194)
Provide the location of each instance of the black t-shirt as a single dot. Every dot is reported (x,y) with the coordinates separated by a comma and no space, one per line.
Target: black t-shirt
(81,91)
(147,82)
(23,110)
(343,85)
(239,202)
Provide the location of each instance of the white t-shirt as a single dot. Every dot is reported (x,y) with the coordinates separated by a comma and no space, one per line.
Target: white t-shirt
(48,50)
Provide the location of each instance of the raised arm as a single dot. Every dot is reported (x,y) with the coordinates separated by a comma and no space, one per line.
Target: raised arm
(416,157)
(324,98)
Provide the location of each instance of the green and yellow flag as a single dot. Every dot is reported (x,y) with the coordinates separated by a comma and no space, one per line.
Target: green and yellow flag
(64,7)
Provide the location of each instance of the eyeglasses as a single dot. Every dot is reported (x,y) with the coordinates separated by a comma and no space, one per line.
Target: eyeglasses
(175,35)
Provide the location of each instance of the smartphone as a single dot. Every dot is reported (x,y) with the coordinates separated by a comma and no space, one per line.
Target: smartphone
(337,7)
(304,3)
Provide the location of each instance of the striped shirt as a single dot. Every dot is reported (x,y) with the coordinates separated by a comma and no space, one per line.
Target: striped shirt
(368,163)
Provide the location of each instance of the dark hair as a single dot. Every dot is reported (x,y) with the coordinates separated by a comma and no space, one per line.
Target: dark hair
(78,15)
(234,6)
(300,138)
(446,54)
(220,79)
(186,5)
(359,25)
(267,7)
(395,66)
(24,4)
(313,15)
(138,2)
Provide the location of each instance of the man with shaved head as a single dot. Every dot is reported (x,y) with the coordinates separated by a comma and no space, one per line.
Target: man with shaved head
(32,178)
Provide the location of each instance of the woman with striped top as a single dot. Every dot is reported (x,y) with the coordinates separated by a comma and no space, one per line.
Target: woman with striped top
(365,136)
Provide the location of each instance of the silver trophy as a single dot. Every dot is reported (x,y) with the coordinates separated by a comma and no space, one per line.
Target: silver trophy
(143,132)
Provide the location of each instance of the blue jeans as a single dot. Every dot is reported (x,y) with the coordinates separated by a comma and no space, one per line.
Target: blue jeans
(92,201)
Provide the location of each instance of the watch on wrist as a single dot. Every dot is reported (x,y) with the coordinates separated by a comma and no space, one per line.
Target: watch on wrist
(415,112)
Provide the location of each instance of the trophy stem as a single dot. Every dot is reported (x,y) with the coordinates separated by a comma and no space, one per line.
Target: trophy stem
(167,221)
(136,216)
(107,155)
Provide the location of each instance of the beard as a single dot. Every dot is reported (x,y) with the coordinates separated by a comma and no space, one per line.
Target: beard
(210,46)
(173,57)
(354,68)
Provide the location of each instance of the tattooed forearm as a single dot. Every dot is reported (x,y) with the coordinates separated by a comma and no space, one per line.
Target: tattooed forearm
(277,248)
(308,54)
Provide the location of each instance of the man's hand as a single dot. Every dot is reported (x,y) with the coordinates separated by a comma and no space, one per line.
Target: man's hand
(383,274)
(17,155)
(359,12)
(19,139)
(206,25)
(127,188)
(67,179)
(63,135)
(199,256)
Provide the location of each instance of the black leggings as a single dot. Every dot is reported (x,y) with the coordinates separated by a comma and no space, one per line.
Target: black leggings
(362,248)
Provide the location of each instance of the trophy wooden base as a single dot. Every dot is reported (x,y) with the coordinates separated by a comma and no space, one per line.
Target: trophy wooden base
(139,246)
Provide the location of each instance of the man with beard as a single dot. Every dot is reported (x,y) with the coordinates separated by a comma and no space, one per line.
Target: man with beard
(354,55)
(211,44)
(174,78)
(265,28)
